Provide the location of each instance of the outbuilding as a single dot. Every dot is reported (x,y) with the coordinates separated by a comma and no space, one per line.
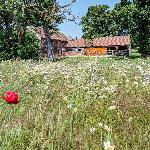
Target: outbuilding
(112,45)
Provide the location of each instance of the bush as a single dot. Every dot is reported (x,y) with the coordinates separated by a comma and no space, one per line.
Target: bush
(11,49)
(30,47)
(8,44)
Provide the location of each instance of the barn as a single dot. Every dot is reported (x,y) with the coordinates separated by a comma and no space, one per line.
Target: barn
(64,46)
(112,45)
(59,42)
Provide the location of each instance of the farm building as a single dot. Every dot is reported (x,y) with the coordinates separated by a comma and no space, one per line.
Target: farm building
(59,41)
(64,46)
(117,45)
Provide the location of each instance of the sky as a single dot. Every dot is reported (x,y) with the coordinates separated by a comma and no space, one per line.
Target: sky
(80,9)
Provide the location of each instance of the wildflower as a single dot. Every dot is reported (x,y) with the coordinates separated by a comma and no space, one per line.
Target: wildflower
(92,130)
(112,107)
(113,101)
(140,69)
(102,97)
(110,89)
(130,119)
(135,83)
(108,146)
(65,98)
(70,106)
(105,82)
(11,97)
(75,109)
(107,128)
(100,125)
(146,78)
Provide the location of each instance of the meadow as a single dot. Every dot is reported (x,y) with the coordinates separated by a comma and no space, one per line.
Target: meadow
(76,104)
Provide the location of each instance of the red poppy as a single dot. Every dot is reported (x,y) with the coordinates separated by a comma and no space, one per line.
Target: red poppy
(11,97)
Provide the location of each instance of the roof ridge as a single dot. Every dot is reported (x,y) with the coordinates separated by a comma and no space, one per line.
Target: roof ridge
(102,41)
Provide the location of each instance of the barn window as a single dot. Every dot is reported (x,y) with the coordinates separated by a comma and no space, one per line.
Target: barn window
(122,48)
(79,50)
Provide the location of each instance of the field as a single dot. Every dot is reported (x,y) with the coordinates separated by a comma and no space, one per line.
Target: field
(76,104)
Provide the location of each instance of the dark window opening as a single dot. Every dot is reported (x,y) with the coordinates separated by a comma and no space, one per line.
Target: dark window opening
(122,48)
(111,48)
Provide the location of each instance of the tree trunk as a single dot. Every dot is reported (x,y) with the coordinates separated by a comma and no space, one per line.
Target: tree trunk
(49,44)
(21,31)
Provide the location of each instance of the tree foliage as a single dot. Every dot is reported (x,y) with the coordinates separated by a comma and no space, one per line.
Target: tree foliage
(11,49)
(15,40)
(101,21)
(95,23)
(142,20)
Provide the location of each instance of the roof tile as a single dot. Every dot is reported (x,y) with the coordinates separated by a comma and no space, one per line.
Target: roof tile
(102,41)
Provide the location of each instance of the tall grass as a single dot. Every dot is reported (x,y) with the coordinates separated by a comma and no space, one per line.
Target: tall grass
(76,104)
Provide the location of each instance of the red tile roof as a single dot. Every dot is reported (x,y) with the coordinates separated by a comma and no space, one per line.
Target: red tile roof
(55,36)
(100,42)
(76,43)
(59,36)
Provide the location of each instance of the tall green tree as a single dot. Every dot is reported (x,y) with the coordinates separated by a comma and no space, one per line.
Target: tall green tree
(101,21)
(47,14)
(142,19)
(124,21)
(96,22)
(124,2)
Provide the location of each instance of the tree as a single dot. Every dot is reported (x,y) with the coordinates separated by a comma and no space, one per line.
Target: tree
(124,21)
(142,19)
(124,2)
(18,14)
(47,14)
(13,44)
(95,23)
(101,21)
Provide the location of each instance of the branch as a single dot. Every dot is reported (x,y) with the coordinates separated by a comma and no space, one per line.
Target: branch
(67,5)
